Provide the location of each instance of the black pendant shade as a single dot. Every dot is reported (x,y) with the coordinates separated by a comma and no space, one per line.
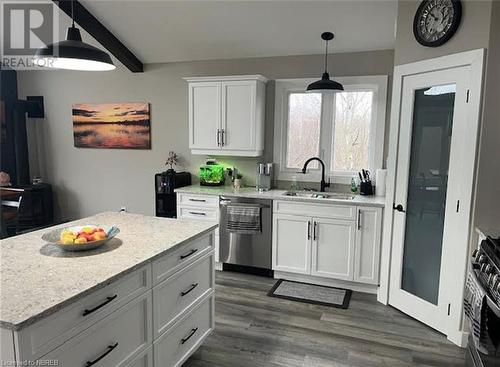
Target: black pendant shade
(73,53)
(325,84)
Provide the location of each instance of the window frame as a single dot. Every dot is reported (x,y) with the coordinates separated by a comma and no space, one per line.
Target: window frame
(283,87)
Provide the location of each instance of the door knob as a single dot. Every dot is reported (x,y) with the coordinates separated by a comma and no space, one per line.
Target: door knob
(398,207)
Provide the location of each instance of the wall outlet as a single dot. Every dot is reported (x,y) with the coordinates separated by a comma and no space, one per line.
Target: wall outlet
(123,209)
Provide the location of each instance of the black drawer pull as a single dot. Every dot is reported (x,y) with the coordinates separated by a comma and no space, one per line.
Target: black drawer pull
(189,253)
(197,213)
(189,336)
(108,299)
(109,350)
(193,286)
(198,200)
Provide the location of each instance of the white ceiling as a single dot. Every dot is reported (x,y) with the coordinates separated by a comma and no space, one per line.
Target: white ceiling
(166,31)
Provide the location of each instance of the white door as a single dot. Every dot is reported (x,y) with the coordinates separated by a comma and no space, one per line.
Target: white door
(205,115)
(429,225)
(238,115)
(292,243)
(367,250)
(333,248)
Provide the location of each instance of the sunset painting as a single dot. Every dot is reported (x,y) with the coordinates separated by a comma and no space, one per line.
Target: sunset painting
(112,125)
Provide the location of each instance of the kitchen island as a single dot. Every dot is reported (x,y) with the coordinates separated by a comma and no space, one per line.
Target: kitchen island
(146,295)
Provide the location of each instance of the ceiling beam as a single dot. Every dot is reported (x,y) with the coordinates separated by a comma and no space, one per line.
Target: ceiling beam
(97,30)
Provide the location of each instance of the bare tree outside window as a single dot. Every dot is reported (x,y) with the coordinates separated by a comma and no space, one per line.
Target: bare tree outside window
(304,125)
(353,114)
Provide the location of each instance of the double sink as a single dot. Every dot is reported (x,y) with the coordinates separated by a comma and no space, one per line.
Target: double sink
(319,195)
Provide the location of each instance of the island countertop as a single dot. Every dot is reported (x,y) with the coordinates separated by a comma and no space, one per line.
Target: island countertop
(35,284)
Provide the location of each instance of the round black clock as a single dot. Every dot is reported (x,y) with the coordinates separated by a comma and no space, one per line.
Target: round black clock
(436,21)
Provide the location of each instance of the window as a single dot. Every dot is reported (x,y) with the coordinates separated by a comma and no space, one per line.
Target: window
(346,129)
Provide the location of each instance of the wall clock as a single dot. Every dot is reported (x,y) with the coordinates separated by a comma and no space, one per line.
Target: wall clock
(436,21)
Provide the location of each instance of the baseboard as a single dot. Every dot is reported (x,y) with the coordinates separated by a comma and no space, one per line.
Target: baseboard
(459,338)
(358,287)
(218,266)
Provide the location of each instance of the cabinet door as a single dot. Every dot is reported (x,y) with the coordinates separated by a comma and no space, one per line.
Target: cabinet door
(291,243)
(367,252)
(333,248)
(238,115)
(204,115)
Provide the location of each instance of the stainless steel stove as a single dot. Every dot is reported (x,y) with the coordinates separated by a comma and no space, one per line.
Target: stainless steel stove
(486,268)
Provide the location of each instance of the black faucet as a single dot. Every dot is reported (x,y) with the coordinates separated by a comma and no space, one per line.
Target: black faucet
(323,184)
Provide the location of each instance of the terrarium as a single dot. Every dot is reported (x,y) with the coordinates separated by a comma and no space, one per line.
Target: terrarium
(212,175)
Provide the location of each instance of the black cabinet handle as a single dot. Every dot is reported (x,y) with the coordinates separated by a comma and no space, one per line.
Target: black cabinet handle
(189,336)
(218,137)
(398,208)
(315,237)
(359,219)
(193,286)
(197,213)
(108,299)
(222,140)
(198,200)
(109,350)
(308,229)
(189,253)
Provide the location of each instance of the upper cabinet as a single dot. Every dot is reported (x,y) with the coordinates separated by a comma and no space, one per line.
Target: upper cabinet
(226,115)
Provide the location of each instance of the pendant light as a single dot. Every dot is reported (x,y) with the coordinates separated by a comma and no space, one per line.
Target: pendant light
(325,84)
(73,54)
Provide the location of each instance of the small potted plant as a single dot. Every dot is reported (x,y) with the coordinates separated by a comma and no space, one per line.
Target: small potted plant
(172,161)
(238,181)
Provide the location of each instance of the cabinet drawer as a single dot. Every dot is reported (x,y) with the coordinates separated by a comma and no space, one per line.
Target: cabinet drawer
(185,212)
(198,200)
(47,334)
(333,211)
(113,341)
(180,291)
(175,346)
(169,264)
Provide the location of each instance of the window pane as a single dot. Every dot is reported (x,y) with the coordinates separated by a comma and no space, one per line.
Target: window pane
(353,113)
(304,123)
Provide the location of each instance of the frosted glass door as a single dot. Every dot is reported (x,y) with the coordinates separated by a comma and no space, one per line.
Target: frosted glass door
(427,187)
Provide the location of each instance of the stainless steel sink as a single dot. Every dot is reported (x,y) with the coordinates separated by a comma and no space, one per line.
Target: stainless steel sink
(319,195)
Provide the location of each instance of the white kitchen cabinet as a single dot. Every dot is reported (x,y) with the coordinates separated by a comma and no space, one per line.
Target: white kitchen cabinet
(226,115)
(333,245)
(368,235)
(291,243)
(342,243)
(204,115)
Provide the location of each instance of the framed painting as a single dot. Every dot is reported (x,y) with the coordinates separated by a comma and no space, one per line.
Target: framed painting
(112,125)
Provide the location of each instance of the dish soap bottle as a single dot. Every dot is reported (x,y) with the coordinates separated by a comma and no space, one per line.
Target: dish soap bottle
(354,186)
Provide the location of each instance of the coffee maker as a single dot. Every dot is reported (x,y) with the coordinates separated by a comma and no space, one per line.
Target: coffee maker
(264,176)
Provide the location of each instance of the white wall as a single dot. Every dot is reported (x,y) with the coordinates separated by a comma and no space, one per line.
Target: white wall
(87,181)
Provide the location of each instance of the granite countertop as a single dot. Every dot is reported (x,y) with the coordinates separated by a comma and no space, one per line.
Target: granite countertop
(36,282)
(251,192)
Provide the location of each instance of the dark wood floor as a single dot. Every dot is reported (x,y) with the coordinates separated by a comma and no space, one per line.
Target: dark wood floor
(255,330)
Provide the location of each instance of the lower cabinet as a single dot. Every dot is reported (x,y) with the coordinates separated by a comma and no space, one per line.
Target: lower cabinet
(333,248)
(291,243)
(343,248)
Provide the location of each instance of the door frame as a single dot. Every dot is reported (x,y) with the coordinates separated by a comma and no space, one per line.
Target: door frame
(475,59)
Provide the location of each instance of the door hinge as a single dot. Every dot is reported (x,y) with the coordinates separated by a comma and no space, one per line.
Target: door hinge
(449,308)
(458,205)
(468,94)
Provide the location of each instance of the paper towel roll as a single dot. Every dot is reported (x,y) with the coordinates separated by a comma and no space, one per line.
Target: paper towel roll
(380,181)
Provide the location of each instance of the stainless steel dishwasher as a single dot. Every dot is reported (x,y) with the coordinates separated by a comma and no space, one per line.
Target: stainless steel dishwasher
(246,252)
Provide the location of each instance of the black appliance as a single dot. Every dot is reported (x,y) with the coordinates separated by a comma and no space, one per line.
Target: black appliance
(485,268)
(165,198)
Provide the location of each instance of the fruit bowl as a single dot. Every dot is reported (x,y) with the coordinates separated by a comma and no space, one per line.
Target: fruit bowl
(81,238)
